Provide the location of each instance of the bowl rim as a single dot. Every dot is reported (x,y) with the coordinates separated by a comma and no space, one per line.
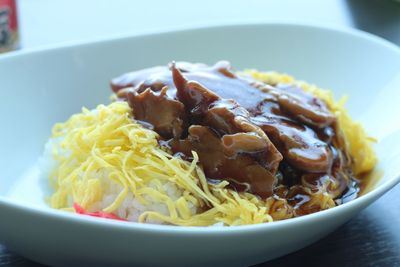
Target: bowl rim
(377,191)
(340,29)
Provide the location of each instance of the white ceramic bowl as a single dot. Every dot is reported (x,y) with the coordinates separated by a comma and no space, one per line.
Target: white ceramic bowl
(39,88)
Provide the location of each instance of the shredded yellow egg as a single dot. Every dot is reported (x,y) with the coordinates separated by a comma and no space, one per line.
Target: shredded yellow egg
(354,139)
(105,148)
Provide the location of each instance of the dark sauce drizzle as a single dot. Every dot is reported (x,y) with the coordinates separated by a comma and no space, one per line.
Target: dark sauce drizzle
(265,139)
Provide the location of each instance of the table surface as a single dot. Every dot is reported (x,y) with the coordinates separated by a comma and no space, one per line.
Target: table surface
(372,238)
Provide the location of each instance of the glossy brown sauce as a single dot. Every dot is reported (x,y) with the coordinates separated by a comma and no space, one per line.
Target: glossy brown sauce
(269,140)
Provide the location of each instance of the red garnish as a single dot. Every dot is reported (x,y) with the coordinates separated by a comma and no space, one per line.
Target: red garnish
(101,214)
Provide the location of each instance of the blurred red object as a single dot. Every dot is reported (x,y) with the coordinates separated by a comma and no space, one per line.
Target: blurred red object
(9,39)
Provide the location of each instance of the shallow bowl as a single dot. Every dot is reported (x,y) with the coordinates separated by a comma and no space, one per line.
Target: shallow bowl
(41,87)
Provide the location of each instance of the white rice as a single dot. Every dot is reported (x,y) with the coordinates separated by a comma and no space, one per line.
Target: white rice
(131,208)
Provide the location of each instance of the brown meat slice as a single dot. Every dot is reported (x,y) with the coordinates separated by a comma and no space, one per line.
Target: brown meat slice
(132,79)
(305,107)
(218,163)
(299,144)
(225,116)
(243,142)
(167,116)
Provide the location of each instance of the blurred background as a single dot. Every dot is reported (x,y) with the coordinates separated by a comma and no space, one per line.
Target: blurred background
(370,239)
(46,22)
